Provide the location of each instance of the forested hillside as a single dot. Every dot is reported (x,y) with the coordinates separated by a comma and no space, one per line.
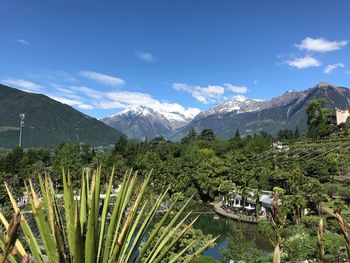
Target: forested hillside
(47,122)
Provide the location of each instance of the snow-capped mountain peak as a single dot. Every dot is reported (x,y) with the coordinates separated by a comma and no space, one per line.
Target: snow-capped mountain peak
(238,104)
(240,98)
(151,121)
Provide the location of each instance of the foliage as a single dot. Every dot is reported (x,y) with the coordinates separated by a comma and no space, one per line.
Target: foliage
(300,246)
(239,248)
(318,119)
(48,122)
(203,259)
(207,135)
(80,233)
(194,239)
(67,156)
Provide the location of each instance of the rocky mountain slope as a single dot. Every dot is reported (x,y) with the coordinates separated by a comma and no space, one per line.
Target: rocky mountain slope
(47,122)
(251,116)
(143,122)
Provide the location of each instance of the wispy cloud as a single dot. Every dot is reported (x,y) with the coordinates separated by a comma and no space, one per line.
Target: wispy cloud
(86,98)
(22,84)
(320,45)
(86,106)
(51,75)
(102,78)
(211,93)
(146,56)
(235,88)
(90,99)
(330,68)
(89,92)
(65,100)
(304,62)
(22,41)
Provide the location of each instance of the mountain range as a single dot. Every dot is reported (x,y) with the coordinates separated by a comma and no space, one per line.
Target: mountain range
(47,122)
(248,115)
(143,122)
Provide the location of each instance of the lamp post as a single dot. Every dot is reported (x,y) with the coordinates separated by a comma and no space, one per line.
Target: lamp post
(21,125)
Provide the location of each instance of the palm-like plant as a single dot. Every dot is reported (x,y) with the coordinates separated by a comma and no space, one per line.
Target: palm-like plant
(84,230)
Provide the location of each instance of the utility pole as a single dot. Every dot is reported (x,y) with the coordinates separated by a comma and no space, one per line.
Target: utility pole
(21,125)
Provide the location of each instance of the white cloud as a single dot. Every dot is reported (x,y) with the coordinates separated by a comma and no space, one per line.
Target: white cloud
(304,62)
(149,57)
(127,99)
(235,88)
(107,105)
(211,93)
(86,98)
(86,106)
(51,75)
(102,78)
(92,93)
(94,99)
(330,68)
(64,90)
(23,84)
(65,100)
(22,41)
(320,45)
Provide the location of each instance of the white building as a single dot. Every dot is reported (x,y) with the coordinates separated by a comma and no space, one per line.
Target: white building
(341,115)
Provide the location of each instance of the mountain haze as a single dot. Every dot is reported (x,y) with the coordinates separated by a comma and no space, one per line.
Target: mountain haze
(47,122)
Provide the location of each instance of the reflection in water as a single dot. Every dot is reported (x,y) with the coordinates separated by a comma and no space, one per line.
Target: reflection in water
(224,227)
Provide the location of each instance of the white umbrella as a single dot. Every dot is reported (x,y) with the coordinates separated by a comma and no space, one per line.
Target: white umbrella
(249,207)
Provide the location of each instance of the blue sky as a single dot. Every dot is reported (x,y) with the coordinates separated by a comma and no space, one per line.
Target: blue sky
(103,56)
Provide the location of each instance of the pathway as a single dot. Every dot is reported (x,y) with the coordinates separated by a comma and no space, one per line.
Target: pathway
(218,209)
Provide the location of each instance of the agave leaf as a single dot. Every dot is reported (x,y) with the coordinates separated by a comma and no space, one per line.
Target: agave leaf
(32,242)
(125,200)
(104,214)
(18,244)
(111,227)
(200,251)
(9,257)
(83,203)
(178,255)
(69,210)
(154,233)
(79,256)
(43,227)
(8,241)
(97,195)
(171,234)
(127,224)
(170,225)
(90,247)
(58,220)
(142,231)
(131,215)
(173,242)
(131,233)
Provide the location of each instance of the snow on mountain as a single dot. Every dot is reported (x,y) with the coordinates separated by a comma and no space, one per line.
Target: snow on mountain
(239,104)
(141,121)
